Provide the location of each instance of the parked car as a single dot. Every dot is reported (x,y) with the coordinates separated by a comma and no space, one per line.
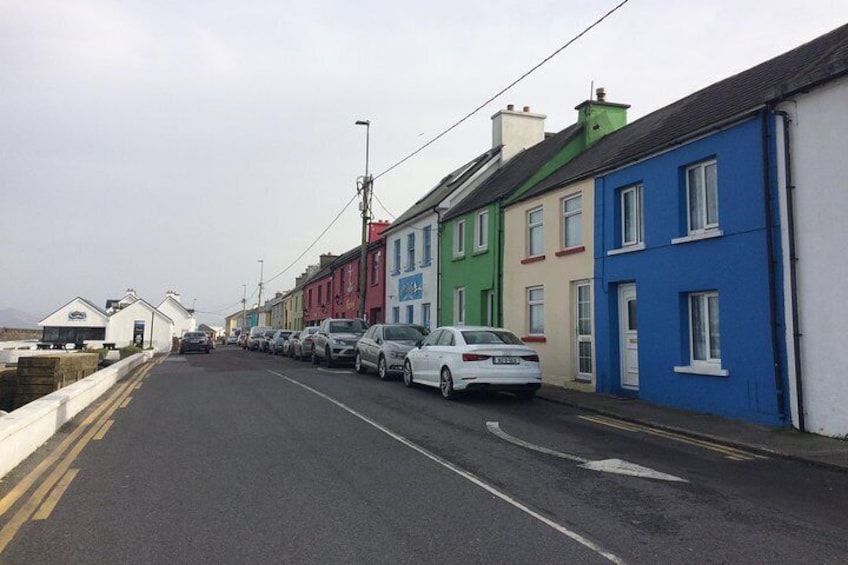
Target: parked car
(456,359)
(302,346)
(384,347)
(242,340)
(288,345)
(265,340)
(335,341)
(194,341)
(275,344)
(232,339)
(257,333)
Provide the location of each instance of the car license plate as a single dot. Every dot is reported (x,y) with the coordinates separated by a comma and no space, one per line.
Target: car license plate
(506,360)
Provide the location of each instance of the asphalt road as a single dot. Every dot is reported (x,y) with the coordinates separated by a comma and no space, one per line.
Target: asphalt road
(238,457)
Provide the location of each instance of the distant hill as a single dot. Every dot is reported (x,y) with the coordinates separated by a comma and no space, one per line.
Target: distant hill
(12,318)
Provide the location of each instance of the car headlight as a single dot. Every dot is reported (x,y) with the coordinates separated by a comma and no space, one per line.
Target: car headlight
(338,341)
(397,354)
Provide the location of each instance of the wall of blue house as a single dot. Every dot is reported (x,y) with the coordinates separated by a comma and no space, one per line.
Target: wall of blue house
(735,264)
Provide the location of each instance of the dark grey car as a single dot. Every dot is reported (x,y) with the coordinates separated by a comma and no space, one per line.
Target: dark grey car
(384,347)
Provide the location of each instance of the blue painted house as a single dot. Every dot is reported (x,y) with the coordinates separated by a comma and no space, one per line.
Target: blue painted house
(688,279)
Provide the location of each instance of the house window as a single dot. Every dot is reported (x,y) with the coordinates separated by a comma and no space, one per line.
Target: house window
(534,232)
(572,221)
(489,307)
(583,310)
(459,305)
(375,267)
(705,337)
(481,231)
(428,249)
(410,252)
(410,314)
(459,239)
(702,197)
(309,298)
(320,294)
(425,315)
(396,256)
(631,216)
(396,314)
(536,310)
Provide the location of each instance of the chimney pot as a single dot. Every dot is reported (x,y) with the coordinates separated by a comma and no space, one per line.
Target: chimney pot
(601,94)
(527,108)
(510,107)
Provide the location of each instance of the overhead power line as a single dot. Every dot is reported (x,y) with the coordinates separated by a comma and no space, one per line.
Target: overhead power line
(503,90)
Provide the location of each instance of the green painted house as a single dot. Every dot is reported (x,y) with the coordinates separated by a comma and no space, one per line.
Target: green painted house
(471,233)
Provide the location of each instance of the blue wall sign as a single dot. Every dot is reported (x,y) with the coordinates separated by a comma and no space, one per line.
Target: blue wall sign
(411,288)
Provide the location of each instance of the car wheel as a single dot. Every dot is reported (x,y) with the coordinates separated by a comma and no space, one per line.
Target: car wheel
(182,352)
(525,394)
(446,384)
(207,350)
(295,355)
(329,357)
(315,360)
(382,369)
(407,374)
(357,364)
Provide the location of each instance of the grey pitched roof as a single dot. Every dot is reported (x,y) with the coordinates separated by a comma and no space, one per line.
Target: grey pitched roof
(820,60)
(447,185)
(515,172)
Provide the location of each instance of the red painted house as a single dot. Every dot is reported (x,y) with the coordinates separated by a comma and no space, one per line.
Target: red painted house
(318,293)
(345,279)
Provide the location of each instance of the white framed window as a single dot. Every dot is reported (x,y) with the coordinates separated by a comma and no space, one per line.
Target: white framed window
(704,333)
(410,251)
(572,221)
(396,257)
(534,232)
(459,305)
(425,315)
(536,310)
(481,231)
(459,238)
(702,197)
(489,304)
(583,327)
(632,230)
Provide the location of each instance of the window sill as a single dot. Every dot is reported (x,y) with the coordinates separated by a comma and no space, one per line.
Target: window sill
(458,258)
(409,269)
(481,251)
(628,249)
(534,339)
(395,273)
(570,250)
(709,370)
(535,259)
(697,236)
(425,264)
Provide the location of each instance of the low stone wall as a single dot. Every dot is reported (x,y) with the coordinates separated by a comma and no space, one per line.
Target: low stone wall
(8,382)
(39,376)
(12,334)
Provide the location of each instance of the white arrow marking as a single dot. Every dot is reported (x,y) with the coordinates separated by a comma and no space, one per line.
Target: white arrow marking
(615,466)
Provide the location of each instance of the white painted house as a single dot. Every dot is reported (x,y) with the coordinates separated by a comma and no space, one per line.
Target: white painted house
(815,232)
(184,320)
(412,241)
(78,321)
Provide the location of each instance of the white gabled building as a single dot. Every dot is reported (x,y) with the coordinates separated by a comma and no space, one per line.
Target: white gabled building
(184,320)
(141,324)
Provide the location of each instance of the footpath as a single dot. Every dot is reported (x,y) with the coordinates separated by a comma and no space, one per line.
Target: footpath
(786,443)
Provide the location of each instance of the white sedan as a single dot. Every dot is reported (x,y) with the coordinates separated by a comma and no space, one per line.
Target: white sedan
(459,358)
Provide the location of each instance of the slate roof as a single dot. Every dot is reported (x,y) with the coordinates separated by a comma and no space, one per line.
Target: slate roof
(515,172)
(445,187)
(820,60)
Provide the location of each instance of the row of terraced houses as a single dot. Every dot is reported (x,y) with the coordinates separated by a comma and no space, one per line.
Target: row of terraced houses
(721,216)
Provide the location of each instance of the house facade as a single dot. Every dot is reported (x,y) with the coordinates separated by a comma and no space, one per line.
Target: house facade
(184,319)
(318,293)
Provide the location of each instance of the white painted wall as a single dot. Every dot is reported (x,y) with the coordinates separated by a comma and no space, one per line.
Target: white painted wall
(819,147)
(120,330)
(183,320)
(429,273)
(60,318)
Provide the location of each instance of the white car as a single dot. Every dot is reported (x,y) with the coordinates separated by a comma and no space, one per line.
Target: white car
(460,358)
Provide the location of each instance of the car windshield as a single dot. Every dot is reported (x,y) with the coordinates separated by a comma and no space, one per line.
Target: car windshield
(480,337)
(194,335)
(402,333)
(347,326)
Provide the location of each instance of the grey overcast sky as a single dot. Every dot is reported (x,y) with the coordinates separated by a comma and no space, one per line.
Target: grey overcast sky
(165,145)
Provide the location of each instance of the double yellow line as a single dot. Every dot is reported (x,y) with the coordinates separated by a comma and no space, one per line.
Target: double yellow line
(728,452)
(45,497)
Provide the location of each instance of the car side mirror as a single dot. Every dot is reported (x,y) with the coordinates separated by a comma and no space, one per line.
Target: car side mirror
(379,341)
(419,344)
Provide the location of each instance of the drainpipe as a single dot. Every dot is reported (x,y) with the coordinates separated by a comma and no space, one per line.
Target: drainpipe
(793,273)
(438,321)
(778,379)
(499,253)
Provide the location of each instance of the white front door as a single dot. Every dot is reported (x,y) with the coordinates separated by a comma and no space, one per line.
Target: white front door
(583,331)
(628,334)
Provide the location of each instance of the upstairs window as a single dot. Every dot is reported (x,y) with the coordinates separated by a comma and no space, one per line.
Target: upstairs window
(410,251)
(396,257)
(702,197)
(459,239)
(481,231)
(534,232)
(632,231)
(427,234)
(572,221)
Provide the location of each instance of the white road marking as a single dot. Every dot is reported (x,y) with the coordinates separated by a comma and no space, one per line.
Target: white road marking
(462,473)
(332,372)
(615,466)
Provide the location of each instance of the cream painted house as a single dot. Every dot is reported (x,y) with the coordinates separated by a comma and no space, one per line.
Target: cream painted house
(548,272)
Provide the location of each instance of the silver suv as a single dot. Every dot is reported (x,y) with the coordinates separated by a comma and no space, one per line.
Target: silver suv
(336,340)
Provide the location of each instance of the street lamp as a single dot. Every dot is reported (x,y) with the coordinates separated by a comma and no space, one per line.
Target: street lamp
(244,308)
(365,207)
(261,276)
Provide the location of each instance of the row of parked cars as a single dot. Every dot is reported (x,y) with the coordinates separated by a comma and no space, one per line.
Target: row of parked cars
(452,358)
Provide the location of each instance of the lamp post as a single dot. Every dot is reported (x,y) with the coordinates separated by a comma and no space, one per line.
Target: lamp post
(244,308)
(261,276)
(365,208)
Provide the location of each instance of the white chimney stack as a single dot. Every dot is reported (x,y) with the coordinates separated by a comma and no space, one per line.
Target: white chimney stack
(516,131)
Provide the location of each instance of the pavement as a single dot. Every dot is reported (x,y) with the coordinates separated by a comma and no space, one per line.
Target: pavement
(786,442)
